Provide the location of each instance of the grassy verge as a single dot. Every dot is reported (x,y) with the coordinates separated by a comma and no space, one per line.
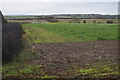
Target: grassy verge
(37,35)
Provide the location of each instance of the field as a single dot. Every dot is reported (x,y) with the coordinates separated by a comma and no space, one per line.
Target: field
(67,32)
(90,21)
(66,50)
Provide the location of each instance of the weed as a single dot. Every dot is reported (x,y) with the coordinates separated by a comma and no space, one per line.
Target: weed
(48,76)
(17,70)
(97,71)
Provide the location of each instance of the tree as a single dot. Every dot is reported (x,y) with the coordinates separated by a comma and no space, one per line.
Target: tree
(110,22)
(51,19)
(2,18)
(84,21)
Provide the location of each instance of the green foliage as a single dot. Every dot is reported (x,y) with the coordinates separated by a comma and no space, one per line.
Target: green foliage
(3,19)
(68,32)
(31,69)
(17,70)
(51,19)
(48,77)
(111,22)
(98,71)
(84,21)
(87,71)
(24,55)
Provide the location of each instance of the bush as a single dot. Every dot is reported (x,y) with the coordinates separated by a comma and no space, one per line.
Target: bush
(12,41)
(110,22)
(3,20)
(51,19)
(84,21)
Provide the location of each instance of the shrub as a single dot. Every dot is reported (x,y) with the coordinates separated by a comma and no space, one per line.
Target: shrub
(12,41)
(3,20)
(51,19)
(110,22)
(84,21)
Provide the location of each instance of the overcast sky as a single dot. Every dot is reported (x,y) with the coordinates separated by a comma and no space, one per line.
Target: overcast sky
(59,0)
(46,7)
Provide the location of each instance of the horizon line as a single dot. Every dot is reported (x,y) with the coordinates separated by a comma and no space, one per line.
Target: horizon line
(54,14)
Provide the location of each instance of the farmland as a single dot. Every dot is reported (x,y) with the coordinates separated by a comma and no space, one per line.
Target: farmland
(67,32)
(62,49)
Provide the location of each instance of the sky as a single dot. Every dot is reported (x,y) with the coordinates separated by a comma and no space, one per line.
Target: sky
(59,0)
(48,7)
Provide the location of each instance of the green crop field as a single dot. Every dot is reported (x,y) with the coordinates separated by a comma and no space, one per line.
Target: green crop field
(68,32)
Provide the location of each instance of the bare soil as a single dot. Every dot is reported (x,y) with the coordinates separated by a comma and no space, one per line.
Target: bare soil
(62,59)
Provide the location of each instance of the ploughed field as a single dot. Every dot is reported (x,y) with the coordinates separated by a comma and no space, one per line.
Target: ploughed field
(91,59)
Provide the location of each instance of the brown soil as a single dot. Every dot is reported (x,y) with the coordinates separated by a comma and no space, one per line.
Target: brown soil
(62,59)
